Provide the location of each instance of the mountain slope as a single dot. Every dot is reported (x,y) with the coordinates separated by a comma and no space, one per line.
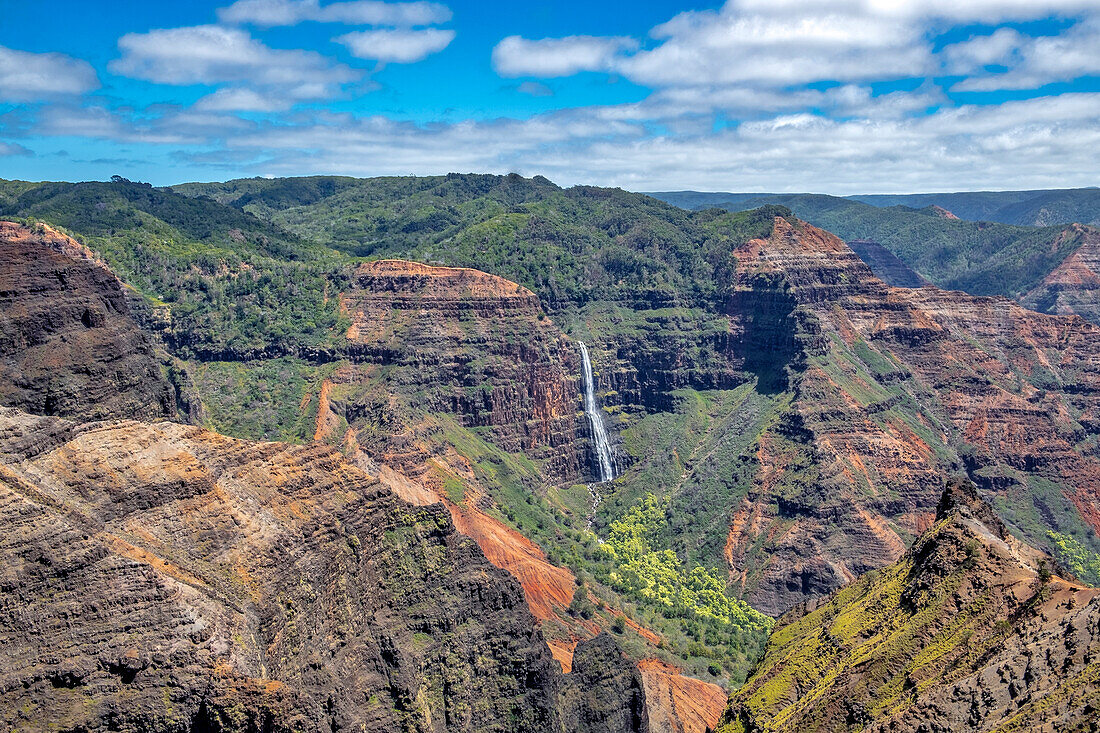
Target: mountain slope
(894,390)
(68,343)
(260,578)
(979,257)
(218,283)
(969,630)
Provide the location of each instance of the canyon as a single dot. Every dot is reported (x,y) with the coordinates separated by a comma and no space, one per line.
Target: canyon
(779,423)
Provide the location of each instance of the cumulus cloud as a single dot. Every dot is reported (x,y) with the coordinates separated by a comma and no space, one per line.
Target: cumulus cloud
(396,45)
(1042,60)
(268,13)
(211,54)
(550,57)
(30,77)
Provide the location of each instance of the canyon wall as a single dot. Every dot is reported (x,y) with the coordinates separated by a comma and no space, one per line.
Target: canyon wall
(68,344)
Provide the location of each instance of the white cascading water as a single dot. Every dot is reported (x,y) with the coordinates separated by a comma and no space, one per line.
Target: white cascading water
(605,468)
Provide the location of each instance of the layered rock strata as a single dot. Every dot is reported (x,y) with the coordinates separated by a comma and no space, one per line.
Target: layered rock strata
(164,578)
(894,390)
(68,345)
(1073,286)
(466,343)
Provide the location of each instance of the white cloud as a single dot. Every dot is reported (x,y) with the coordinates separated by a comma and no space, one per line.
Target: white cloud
(29,77)
(1045,59)
(211,54)
(268,13)
(397,45)
(994,49)
(237,99)
(823,43)
(551,57)
(985,11)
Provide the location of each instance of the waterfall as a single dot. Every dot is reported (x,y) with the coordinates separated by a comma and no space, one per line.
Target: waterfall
(601,443)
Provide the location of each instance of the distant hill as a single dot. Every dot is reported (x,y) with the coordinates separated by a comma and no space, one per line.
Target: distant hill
(981,258)
(1025,208)
(1032,208)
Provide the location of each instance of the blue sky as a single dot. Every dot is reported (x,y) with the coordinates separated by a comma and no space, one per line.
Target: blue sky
(847,96)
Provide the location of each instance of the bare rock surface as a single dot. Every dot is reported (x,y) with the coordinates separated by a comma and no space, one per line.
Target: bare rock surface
(68,345)
(161,577)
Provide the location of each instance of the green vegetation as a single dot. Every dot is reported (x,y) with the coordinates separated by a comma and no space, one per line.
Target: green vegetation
(642,570)
(273,399)
(981,258)
(571,246)
(1077,558)
(219,282)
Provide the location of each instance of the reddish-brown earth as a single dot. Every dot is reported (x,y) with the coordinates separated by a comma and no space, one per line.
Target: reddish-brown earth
(895,389)
(1073,286)
(680,704)
(469,344)
(160,573)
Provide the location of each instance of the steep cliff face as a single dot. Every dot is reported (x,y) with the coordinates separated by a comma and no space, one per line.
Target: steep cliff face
(1073,286)
(469,344)
(160,577)
(893,390)
(886,265)
(68,345)
(606,693)
(210,583)
(968,631)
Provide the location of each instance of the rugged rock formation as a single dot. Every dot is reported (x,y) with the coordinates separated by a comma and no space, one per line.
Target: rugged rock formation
(213,582)
(680,704)
(607,692)
(466,343)
(1074,286)
(968,631)
(893,390)
(68,345)
(164,578)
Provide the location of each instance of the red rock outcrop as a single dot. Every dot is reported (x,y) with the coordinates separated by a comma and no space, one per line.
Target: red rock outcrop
(68,345)
(677,703)
(1073,286)
(894,390)
(469,344)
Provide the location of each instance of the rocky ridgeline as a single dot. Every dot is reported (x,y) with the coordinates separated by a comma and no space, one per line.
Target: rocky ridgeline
(894,390)
(969,630)
(1073,286)
(68,345)
(161,577)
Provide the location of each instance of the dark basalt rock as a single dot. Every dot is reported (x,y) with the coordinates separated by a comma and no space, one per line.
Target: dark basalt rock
(68,345)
